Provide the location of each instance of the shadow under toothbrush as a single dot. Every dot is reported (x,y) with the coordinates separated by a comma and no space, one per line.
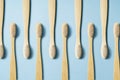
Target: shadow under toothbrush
(109,50)
(95,35)
(31,50)
(17,34)
(5,50)
(57,50)
(69,34)
(43,35)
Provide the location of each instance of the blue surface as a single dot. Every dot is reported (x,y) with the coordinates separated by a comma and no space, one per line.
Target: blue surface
(65,13)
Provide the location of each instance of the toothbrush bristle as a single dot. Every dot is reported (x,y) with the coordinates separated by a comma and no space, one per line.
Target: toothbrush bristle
(26,51)
(65,29)
(1,51)
(13,30)
(91,29)
(39,30)
(116,29)
(52,51)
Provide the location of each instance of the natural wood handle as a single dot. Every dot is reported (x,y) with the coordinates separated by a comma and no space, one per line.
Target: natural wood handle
(78,14)
(1,19)
(52,14)
(116,61)
(39,61)
(104,15)
(12,61)
(90,61)
(26,14)
(64,60)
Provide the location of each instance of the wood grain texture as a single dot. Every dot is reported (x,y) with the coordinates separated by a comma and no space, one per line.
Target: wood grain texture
(1,19)
(64,60)
(26,14)
(116,61)
(90,61)
(104,16)
(12,60)
(78,15)
(39,75)
(52,16)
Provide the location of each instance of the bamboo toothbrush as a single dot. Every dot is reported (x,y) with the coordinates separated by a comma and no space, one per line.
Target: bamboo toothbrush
(26,14)
(13,60)
(90,58)
(104,15)
(116,55)
(52,14)
(64,59)
(1,28)
(39,57)
(78,14)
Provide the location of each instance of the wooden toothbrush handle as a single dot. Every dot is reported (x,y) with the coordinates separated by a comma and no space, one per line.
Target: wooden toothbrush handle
(104,16)
(116,61)
(90,62)
(39,61)
(52,14)
(64,61)
(12,61)
(1,19)
(26,14)
(78,15)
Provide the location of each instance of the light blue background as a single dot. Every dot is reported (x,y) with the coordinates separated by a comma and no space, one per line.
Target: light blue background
(65,13)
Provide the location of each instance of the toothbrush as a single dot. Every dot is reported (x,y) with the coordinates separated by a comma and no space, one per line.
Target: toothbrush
(78,15)
(104,15)
(1,28)
(39,57)
(52,14)
(90,58)
(64,58)
(13,59)
(116,55)
(26,14)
